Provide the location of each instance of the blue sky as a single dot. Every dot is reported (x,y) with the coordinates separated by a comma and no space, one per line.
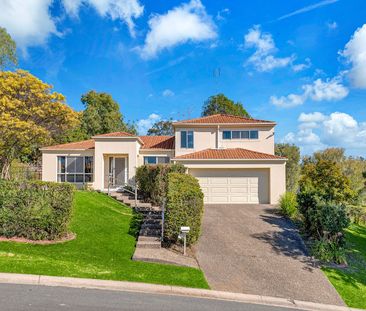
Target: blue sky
(300,63)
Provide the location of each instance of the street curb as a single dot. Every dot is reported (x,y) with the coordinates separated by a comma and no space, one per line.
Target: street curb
(29,279)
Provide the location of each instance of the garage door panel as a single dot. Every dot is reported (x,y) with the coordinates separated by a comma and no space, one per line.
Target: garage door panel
(250,186)
(238,189)
(220,189)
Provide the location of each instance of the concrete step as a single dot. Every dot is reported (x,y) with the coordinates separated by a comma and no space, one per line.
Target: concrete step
(151,226)
(148,242)
(154,210)
(152,221)
(150,232)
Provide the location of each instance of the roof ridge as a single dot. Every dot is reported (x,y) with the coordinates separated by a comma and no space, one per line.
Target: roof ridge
(222,115)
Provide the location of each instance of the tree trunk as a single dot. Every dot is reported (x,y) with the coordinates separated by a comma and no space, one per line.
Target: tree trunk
(5,169)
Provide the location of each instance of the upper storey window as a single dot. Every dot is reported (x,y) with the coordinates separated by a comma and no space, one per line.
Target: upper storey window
(253,134)
(186,139)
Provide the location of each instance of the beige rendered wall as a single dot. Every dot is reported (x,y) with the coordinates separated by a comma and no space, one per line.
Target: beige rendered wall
(152,152)
(105,147)
(211,137)
(277,172)
(49,161)
(204,138)
(264,143)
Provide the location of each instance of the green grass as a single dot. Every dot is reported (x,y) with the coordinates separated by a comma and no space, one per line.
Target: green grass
(351,281)
(102,249)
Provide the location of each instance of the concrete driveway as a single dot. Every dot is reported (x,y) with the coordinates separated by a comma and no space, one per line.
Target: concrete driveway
(253,250)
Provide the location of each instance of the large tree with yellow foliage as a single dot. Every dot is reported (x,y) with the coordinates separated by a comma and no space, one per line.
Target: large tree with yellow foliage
(31,115)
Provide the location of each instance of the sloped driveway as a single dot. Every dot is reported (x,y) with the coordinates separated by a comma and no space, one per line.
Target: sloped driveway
(253,250)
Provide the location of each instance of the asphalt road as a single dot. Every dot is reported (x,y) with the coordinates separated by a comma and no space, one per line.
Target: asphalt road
(39,298)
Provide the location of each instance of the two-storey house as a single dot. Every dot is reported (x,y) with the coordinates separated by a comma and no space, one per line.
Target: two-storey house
(232,158)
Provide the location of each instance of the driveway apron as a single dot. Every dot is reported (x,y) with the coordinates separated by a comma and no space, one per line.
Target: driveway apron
(251,249)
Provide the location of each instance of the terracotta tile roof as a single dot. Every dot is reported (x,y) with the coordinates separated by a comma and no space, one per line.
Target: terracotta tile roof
(115,134)
(222,119)
(158,142)
(79,145)
(229,154)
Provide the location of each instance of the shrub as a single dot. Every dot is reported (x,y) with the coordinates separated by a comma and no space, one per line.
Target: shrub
(184,207)
(288,204)
(35,210)
(152,180)
(357,214)
(329,252)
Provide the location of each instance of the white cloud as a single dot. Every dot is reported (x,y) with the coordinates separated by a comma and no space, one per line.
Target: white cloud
(319,90)
(28,22)
(187,22)
(288,101)
(311,117)
(124,10)
(355,53)
(308,8)
(332,25)
(168,93)
(319,131)
(264,45)
(329,90)
(303,66)
(221,15)
(144,125)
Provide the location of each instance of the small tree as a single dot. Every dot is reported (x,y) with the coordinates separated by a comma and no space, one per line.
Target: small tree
(8,49)
(292,153)
(162,128)
(31,115)
(221,104)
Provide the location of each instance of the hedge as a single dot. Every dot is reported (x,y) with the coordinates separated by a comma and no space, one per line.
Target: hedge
(184,207)
(35,210)
(152,180)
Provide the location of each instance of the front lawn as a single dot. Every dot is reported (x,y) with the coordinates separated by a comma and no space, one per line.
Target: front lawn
(102,249)
(351,281)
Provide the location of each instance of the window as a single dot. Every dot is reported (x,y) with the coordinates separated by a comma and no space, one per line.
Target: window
(186,139)
(75,169)
(244,134)
(240,134)
(156,160)
(226,135)
(253,134)
(235,134)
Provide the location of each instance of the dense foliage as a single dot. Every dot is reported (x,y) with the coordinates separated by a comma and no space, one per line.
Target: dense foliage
(292,153)
(35,210)
(221,104)
(324,191)
(102,115)
(184,207)
(31,115)
(8,50)
(288,204)
(152,180)
(161,128)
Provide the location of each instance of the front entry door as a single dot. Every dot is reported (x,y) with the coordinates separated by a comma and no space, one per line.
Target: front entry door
(117,171)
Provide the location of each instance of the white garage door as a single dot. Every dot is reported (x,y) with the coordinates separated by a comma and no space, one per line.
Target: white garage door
(233,186)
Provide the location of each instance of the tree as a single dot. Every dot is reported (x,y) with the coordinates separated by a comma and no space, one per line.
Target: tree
(7,50)
(102,115)
(31,115)
(326,180)
(221,104)
(162,128)
(331,154)
(292,153)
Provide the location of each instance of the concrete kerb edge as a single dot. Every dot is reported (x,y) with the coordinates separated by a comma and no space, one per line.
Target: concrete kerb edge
(29,279)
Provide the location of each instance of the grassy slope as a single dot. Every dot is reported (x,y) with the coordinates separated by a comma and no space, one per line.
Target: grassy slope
(103,249)
(351,282)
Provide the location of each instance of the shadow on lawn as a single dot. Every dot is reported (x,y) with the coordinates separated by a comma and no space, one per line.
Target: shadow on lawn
(135,224)
(285,239)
